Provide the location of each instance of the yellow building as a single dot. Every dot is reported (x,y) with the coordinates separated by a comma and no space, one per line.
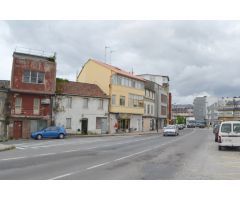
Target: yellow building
(125,89)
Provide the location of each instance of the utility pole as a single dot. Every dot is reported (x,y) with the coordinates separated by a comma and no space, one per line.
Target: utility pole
(105,55)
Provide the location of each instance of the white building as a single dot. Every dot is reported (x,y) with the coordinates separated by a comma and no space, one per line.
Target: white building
(4,87)
(149,119)
(81,108)
(161,88)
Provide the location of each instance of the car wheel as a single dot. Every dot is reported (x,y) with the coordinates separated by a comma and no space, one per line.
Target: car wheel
(219,148)
(39,137)
(61,136)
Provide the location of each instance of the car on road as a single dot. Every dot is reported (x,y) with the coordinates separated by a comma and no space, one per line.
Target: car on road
(50,132)
(229,134)
(191,125)
(216,131)
(180,126)
(171,130)
(200,125)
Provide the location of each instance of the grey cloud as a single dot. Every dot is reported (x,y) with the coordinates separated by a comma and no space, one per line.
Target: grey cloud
(200,57)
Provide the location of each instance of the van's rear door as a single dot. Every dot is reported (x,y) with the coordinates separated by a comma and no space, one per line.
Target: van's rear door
(234,135)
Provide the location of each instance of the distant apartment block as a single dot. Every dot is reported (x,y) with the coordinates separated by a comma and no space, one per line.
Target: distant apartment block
(200,108)
(184,110)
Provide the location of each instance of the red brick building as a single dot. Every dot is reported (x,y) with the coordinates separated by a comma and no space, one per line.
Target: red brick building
(33,83)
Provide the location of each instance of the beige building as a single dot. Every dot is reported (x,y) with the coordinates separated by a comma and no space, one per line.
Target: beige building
(125,90)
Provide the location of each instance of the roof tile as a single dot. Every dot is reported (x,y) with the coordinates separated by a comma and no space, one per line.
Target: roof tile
(81,89)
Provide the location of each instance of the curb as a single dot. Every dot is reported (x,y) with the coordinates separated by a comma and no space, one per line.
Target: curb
(117,134)
(6,147)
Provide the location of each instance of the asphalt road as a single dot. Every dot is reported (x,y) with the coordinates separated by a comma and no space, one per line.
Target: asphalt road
(191,155)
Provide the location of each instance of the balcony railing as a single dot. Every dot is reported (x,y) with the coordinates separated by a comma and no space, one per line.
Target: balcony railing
(29,112)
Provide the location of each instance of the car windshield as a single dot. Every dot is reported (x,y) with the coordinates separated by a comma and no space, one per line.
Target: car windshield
(226,128)
(170,127)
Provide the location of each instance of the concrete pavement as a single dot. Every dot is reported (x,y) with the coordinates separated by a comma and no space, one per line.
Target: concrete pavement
(4,147)
(53,159)
(192,155)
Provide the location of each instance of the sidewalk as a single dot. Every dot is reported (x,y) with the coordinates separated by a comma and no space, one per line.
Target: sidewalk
(5,147)
(118,134)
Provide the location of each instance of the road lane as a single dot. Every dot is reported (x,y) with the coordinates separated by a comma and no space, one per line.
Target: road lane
(53,165)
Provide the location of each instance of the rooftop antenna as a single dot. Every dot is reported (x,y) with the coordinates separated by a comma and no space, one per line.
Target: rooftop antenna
(105,55)
(112,51)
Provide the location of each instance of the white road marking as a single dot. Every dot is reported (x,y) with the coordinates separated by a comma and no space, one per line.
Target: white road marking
(99,165)
(125,157)
(74,150)
(16,158)
(46,154)
(58,177)
(39,145)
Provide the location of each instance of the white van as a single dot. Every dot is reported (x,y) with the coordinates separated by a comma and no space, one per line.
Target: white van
(229,134)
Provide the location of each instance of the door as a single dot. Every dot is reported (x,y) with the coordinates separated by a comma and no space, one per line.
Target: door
(138,125)
(50,132)
(17,129)
(84,126)
(104,125)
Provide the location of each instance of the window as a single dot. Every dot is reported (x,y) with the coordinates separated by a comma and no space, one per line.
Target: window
(122,101)
(18,105)
(236,128)
(226,128)
(135,101)
(163,98)
(26,76)
(114,79)
(148,109)
(100,104)
(69,102)
(85,103)
(119,80)
(113,99)
(36,105)
(68,123)
(152,109)
(163,110)
(98,122)
(40,77)
(133,83)
(147,93)
(33,77)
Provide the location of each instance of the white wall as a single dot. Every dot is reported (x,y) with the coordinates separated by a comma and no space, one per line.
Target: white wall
(77,112)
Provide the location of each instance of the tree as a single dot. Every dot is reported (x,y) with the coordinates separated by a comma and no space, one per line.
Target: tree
(180,120)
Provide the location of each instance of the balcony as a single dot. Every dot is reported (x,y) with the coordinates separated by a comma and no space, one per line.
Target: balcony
(23,112)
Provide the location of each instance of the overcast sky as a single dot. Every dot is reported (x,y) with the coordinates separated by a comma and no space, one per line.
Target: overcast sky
(200,57)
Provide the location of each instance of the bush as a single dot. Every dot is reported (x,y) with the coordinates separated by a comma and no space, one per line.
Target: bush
(3,138)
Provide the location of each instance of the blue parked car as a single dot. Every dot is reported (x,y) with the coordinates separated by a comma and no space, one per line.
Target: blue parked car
(50,132)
